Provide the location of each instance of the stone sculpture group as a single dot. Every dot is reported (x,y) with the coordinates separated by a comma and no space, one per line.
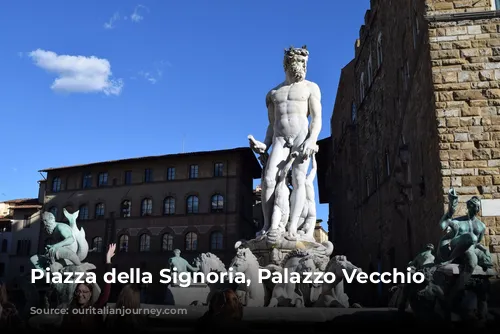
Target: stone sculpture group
(286,242)
(457,277)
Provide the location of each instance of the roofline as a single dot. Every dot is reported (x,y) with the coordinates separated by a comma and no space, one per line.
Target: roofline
(26,207)
(152,157)
(16,200)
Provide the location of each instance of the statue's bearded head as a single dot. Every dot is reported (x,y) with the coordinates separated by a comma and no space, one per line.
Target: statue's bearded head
(473,206)
(307,265)
(295,62)
(49,222)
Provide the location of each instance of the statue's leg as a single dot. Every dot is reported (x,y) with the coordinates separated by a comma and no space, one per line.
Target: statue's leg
(470,262)
(298,198)
(405,293)
(277,214)
(483,260)
(37,262)
(459,246)
(309,226)
(276,157)
(68,254)
(482,298)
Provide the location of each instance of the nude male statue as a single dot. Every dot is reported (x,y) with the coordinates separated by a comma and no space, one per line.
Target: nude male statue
(71,248)
(181,264)
(307,222)
(281,207)
(289,105)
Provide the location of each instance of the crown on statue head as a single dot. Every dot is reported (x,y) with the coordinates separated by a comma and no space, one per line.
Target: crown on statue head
(291,51)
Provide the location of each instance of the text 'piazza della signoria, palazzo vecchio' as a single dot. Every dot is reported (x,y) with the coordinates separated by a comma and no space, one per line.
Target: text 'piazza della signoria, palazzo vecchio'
(417,112)
(195,202)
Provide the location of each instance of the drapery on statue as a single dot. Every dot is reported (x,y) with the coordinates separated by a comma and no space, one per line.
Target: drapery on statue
(289,133)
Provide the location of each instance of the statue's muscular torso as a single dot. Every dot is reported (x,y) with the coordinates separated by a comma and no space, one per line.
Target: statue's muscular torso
(289,109)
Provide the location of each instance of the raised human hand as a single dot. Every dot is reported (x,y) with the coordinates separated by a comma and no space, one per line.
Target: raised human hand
(453,201)
(309,148)
(52,251)
(257,146)
(110,253)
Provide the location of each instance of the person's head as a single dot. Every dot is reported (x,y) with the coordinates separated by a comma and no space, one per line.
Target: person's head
(177,252)
(49,222)
(429,247)
(226,303)
(473,206)
(129,297)
(3,293)
(295,63)
(83,295)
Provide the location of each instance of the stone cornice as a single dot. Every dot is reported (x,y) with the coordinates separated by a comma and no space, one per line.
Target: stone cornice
(463,16)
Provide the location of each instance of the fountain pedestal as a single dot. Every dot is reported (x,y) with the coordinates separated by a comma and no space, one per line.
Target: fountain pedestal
(184,296)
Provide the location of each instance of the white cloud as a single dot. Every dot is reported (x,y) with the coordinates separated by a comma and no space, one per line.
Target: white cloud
(156,74)
(149,77)
(112,20)
(78,74)
(136,15)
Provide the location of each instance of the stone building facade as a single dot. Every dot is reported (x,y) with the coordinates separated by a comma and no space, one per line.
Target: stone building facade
(196,202)
(416,112)
(19,234)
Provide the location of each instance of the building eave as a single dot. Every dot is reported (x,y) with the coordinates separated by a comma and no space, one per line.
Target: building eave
(256,169)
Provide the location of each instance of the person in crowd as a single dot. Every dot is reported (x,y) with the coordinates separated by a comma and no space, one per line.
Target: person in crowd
(9,316)
(79,315)
(225,311)
(129,302)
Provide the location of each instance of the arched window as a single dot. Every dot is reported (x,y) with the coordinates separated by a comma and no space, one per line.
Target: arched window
(362,88)
(147,207)
(169,206)
(123,244)
(56,184)
(192,204)
(125,209)
(379,50)
(145,243)
(97,244)
(83,212)
(191,241)
(53,210)
(99,210)
(353,112)
(4,246)
(216,239)
(217,203)
(167,242)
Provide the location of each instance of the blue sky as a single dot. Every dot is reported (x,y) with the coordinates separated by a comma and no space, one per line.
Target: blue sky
(162,71)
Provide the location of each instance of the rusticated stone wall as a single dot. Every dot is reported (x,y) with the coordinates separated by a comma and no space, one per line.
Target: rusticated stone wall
(436,7)
(466,72)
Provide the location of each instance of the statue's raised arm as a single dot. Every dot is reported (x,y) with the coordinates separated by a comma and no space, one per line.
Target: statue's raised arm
(446,220)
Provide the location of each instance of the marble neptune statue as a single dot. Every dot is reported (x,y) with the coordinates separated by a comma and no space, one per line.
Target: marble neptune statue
(289,133)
